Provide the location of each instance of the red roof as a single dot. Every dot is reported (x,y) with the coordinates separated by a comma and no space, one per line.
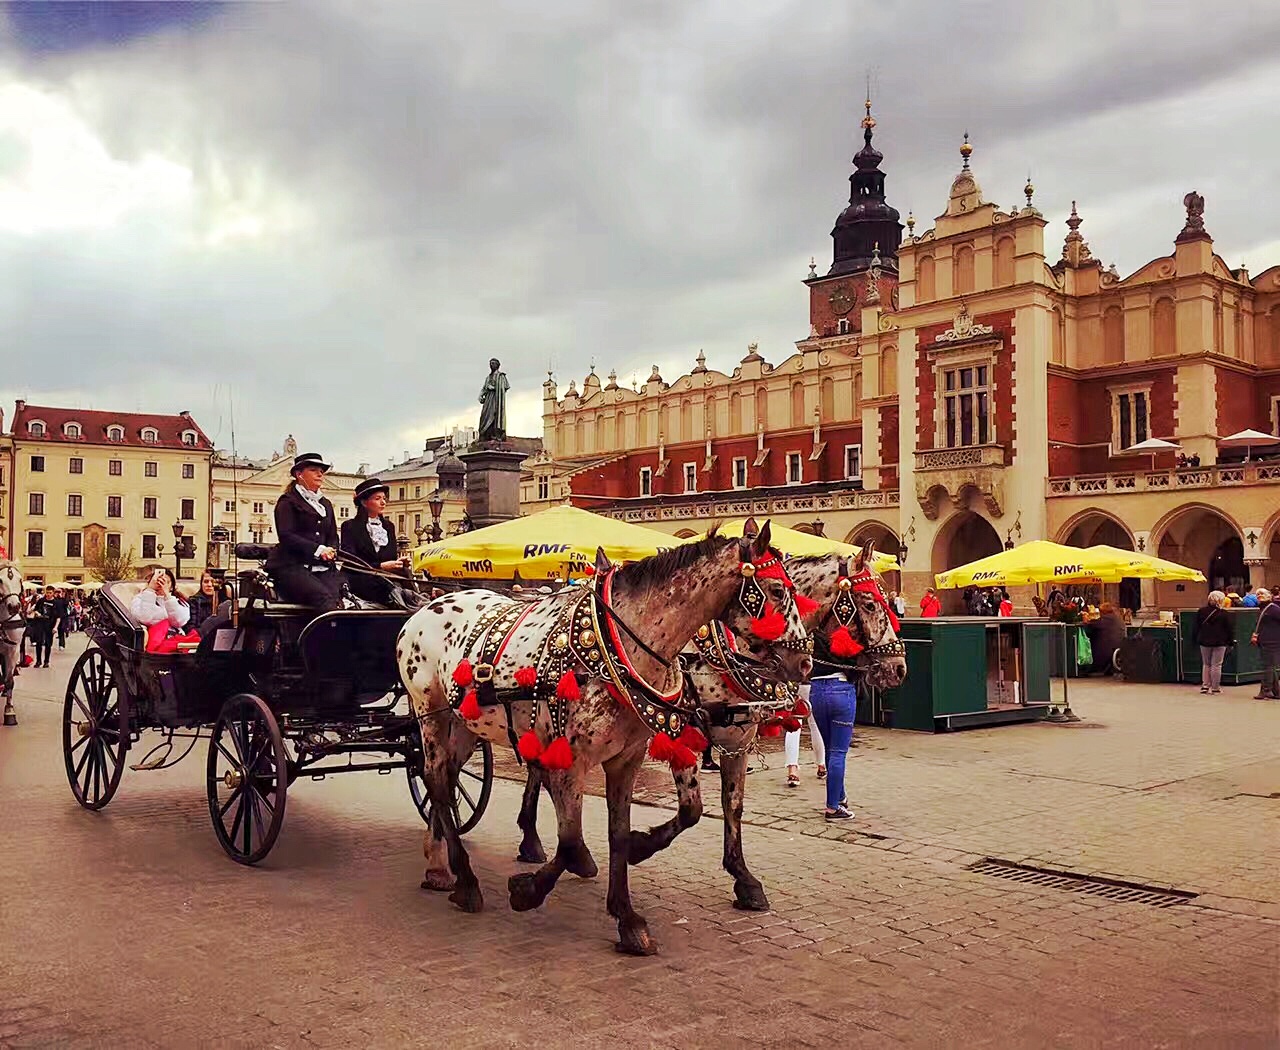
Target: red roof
(94,427)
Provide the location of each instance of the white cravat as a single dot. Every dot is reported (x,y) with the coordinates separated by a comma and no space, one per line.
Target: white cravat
(313,498)
(377,532)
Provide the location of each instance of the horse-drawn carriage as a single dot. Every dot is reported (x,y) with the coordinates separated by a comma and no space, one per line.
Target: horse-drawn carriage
(279,693)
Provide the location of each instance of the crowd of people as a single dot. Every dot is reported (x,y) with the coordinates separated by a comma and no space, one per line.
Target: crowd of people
(1214,633)
(54,612)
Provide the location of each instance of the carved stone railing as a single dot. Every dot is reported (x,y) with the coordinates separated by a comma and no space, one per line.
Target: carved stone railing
(739,505)
(953,458)
(1232,476)
(955,473)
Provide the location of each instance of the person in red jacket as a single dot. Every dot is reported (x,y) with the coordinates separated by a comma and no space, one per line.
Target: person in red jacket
(930,604)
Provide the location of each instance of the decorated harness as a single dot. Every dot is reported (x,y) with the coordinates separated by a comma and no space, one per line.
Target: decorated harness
(842,644)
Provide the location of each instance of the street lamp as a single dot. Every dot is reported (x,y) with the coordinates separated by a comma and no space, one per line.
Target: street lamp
(177,550)
(902,551)
(818,525)
(436,505)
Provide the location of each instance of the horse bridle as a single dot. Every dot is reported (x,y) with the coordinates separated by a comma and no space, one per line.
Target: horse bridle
(845,610)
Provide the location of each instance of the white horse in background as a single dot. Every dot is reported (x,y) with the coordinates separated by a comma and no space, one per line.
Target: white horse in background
(12,626)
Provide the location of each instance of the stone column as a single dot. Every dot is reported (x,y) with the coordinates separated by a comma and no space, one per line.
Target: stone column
(493,482)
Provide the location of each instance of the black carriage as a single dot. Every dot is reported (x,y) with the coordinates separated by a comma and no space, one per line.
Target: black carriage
(278,692)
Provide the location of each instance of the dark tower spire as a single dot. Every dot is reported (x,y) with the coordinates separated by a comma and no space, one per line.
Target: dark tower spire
(868,221)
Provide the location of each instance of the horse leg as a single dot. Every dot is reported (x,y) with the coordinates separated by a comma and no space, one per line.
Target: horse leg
(620,778)
(748,893)
(441,759)
(528,890)
(644,844)
(531,851)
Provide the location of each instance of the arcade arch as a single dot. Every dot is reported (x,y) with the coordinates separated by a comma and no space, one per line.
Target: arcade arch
(1092,527)
(1205,538)
(964,537)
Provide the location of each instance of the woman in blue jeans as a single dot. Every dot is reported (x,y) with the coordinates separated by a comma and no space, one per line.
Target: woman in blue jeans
(834,702)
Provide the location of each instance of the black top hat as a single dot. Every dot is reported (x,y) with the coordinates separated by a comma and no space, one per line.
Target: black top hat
(367,488)
(309,459)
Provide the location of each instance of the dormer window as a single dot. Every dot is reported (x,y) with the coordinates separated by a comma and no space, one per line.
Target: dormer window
(115,432)
(189,437)
(150,435)
(71,430)
(36,428)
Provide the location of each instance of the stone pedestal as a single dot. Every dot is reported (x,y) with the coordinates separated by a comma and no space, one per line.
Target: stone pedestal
(493,482)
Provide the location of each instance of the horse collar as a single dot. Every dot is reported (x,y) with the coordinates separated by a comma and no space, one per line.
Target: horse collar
(740,675)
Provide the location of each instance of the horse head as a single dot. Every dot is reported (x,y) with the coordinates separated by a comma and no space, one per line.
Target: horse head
(10,592)
(853,625)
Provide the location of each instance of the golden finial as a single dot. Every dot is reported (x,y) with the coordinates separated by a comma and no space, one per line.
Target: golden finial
(868,121)
(911,224)
(966,150)
(1028,190)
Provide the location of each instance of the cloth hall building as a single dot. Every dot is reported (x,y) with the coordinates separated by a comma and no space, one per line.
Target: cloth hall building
(959,390)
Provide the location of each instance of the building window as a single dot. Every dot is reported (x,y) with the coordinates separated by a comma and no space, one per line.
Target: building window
(150,469)
(740,472)
(35,502)
(853,462)
(71,430)
(417,492)
(37,464)
(188,471)
(113,507)
(400,524)
(75,465)
(150,435)
(75,545)
(259,507)
(795,468)
(646,481)
(966,405)
(35,544)
(113,544)
(691,477)
(115,433)
(115,468)
(149,507)
(188,510)
(35,428)
(417,521)
(148,546)
(188,437)
(842,326)
(544,487)
(75,506)
(1129,417)
(344,511)
(229,506)
(401,491)
(1275,416)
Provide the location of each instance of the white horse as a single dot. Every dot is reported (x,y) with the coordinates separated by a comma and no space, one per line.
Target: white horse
(12,626)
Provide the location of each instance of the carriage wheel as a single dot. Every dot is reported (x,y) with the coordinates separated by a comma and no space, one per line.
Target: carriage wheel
(95,730)
(470,794)
(248,778)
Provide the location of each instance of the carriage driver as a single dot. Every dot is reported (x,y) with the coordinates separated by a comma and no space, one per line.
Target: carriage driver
(302,561)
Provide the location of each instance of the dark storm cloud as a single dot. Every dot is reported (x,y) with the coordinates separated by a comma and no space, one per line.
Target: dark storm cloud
(628,182)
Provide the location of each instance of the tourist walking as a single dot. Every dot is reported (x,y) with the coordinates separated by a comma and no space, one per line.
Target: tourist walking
(833,701)
(930,604)
(1212,632)
(1266,636)
(791,745)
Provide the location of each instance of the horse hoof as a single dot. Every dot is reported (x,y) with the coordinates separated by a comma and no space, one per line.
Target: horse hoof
(584,867)
(468,899)
(531,854)
(523,890)
(439,881)
(635,940)
(750,898)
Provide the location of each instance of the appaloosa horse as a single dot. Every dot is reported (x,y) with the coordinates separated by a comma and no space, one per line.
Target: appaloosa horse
(12,626)
(737,700)
(587,676)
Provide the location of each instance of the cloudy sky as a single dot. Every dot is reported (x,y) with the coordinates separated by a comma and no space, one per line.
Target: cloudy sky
(327,215)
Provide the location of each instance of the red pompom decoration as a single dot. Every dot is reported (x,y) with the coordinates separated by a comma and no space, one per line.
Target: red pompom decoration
(530,747)
(567,687)
(462,674)
(661,747)
(470,706)
(692,739)
(527,677)
(893,621)
(769,627)
(770,729)
(557,755)
(805,605)
(801,708)
(844,644)
(682,757)
(791,724)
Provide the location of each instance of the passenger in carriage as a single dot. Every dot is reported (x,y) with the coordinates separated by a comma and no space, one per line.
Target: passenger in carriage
(302,562)
(163,612)
(370,537)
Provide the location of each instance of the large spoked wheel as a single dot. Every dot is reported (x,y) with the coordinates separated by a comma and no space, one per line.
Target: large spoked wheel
(95,730)
(470,796)
(248,778)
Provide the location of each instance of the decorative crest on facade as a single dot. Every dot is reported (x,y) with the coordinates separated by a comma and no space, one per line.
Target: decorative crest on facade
(964,328)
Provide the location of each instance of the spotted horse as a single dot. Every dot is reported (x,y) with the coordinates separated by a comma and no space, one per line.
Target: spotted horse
(12,626)
(727,672)
(588,676)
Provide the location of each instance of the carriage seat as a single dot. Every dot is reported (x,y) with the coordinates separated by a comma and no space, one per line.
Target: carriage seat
(124,591)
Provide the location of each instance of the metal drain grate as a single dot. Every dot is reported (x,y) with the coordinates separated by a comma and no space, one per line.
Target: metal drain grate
(1112,889)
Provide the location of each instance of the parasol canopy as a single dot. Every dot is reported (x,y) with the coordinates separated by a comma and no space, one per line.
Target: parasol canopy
(553,544)
(1037,561)
(1147,567)
(800,544)
(1248,440)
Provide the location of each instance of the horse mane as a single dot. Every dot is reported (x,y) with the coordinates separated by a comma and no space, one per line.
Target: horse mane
(658,567)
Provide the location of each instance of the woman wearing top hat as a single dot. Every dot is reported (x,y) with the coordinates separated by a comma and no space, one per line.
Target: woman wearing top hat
(302,563)
(370,537)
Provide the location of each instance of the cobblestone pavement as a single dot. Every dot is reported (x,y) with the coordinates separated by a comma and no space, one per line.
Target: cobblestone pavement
(130,928)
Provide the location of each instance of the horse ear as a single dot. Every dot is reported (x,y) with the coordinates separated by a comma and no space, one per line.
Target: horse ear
(761,545)
(863,558)
(749,529)
(603,564)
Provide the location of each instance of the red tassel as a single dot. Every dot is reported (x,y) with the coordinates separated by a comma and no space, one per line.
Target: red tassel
(470,706)
(661,747)
(805,605)
(527,677)
(893,621)
(557,755)
(693,739)
(801,709)
(769,627)
(770,729)
(682,757)
(567,687)
(844,644)
(791,724)
(530,747)
(462,674)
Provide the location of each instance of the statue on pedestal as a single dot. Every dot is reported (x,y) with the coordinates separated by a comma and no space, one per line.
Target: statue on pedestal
(493,401)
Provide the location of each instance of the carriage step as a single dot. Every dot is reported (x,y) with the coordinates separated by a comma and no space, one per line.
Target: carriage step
(151,763)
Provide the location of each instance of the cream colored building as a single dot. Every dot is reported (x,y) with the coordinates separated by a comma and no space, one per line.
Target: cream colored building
(87,482)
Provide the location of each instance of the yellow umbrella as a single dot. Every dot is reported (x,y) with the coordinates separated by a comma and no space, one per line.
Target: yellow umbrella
(552,544)
(1036,562)
(1147,567)
(799,544)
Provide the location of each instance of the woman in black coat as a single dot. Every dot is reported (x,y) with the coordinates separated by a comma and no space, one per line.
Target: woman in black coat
(370,537)
(302,561)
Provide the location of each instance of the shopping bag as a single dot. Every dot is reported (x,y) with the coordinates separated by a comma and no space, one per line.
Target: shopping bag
(1084,651)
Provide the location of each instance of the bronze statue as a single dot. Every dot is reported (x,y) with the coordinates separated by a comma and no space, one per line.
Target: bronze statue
(493,399)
